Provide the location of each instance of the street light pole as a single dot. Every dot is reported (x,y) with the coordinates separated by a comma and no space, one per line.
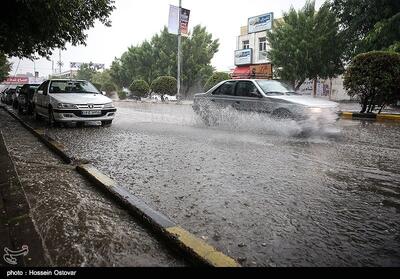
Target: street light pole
(178,77)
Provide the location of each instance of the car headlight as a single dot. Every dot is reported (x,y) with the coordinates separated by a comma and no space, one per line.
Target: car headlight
(315,110)
(108,105)
(66,106)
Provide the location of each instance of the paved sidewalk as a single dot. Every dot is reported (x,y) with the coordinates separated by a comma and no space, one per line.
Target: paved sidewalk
(17,229)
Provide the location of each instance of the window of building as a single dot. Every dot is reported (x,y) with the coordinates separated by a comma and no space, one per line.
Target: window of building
(246,44)
(262,45)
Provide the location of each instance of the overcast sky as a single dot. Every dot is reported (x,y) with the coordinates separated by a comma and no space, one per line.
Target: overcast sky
(135,21)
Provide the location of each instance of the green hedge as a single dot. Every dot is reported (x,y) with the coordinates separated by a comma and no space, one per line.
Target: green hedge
(139,88)
(164,85)
(121,95)
(216,78)
(374,77)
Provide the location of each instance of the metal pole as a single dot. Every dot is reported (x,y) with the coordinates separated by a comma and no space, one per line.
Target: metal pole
(178,94)
(59,61)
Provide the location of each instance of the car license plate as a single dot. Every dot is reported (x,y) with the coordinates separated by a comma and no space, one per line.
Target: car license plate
(91,112)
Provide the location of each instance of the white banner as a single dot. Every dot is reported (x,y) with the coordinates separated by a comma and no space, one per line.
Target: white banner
(243,56)
(173,19)
(260,23)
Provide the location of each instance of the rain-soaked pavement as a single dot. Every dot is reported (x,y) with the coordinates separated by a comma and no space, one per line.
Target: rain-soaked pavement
(255,189)
(79,226)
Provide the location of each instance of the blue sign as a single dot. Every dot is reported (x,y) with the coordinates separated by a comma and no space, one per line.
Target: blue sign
(260,23)
(243,56)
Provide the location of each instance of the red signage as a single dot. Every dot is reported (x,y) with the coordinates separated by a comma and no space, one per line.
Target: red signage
(184,24)
(16,80)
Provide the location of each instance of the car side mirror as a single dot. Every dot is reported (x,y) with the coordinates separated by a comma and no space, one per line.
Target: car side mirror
(255,94)
(104,93)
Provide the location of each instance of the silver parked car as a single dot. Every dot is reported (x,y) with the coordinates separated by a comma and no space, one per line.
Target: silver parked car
(265,96)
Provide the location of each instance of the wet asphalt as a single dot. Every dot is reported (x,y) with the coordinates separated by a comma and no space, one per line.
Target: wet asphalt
(78,225)
(255,188)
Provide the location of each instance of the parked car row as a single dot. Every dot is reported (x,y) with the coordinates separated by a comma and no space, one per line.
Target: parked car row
(61,101)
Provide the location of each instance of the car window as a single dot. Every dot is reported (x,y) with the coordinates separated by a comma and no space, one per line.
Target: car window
(247,89)
(274,87)
(64,86)
(225,89)
(44,86)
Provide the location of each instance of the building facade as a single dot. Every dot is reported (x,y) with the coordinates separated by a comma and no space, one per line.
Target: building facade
(251,48)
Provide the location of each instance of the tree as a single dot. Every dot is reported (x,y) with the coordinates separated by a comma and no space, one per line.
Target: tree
(375,78)
(164,85)
(216,78)
(119,73)
(158,57)
(5,67)
(30,27)
(85,72)
(108,87)
(139,88)
(306,45)
(198,50)
(367,25)
(104,80)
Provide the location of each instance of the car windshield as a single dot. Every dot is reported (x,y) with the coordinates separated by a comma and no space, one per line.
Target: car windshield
(274,87)
(67,86)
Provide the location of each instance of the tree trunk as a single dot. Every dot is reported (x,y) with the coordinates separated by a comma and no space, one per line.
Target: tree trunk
(380,110)
(314,88)
(363,105)
(370,104)
(296,87)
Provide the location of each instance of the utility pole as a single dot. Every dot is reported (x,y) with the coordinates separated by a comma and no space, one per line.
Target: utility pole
(178,94)
(59,60)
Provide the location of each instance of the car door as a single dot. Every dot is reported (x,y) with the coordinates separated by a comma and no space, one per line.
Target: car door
(247,96)
(40,98)
(224,95)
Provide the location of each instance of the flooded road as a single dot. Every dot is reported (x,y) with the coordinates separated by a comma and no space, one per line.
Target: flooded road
(255,189)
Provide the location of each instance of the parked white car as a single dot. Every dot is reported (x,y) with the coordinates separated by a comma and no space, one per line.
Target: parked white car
(62,100)
(167,98)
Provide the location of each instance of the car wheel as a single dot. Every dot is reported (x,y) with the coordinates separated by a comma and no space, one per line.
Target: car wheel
(52,121)
(80,124)
(36,115)
(282,114)
(20,109)
(106,123)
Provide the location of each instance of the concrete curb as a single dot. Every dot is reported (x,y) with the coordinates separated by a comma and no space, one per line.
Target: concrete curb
(370,116)
(197,249)
(58,148)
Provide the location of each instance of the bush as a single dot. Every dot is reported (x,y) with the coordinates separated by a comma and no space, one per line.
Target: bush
(216,78)
(121,95)
(374,77)
(139,88)
(97,85)
(164,85)
(108,87)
